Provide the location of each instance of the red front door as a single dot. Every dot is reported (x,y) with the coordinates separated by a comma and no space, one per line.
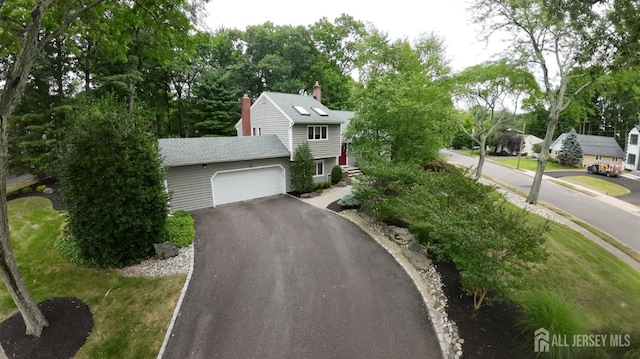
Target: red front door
(342,160)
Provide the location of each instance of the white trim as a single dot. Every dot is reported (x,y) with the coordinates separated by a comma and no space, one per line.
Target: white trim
(314,133)
(315,170)
(284,178)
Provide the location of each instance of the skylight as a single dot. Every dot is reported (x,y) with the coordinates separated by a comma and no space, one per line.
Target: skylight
(320,111)
(301,110)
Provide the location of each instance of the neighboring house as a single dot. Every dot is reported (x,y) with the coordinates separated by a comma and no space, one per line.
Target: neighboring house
(633,150)
(209,171)
(527,144)
(346,157)
(296,119)
(594,149)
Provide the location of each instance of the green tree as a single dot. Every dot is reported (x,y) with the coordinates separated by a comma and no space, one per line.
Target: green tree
(488,88)
(392,122)
(491,244)
(215,105)
(570,153)
(302,169)
(555,38)
(112,183)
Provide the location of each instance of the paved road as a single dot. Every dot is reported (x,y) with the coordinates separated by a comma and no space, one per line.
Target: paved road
(630,184)
(609,218)
(279,278)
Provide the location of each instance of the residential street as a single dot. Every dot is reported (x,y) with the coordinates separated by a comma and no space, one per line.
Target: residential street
(607,214)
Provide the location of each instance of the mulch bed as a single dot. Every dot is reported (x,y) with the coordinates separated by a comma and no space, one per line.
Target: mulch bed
(489,332)
(70,324)
(55,198)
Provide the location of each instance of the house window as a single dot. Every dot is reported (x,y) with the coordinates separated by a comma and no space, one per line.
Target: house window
(598,158)
(632,159)
(614,159)
(317,132)
(256,131)
(633,140)
(319,168)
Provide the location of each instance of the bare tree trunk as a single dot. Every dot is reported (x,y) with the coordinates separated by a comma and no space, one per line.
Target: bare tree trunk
(483,154)
(544,157)
(9,98)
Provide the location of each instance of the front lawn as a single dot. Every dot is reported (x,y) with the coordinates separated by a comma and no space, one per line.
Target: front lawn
(598,184)
(532,164)
(131,315)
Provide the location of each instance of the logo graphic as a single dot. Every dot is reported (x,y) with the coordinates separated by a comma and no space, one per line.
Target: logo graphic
(541,341)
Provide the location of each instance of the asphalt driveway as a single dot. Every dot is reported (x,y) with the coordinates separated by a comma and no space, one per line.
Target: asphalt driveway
(632,185)
(279,278)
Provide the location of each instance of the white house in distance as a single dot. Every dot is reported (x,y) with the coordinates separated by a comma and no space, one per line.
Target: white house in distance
(527,144)
(633,150)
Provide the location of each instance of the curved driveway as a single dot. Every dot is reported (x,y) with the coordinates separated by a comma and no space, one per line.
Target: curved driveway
(278,278)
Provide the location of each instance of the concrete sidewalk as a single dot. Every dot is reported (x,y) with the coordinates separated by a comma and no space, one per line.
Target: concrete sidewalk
(328,196)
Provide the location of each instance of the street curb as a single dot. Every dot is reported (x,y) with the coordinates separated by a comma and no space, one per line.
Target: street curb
(176,311)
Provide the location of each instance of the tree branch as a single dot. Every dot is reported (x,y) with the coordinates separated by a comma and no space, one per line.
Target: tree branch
(68,19)
(575,94)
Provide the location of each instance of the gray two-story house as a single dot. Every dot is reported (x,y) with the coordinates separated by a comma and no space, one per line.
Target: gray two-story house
(296,119)
(208,172)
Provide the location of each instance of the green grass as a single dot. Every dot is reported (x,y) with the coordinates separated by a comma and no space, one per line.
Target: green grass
(532,164)
(130,314)
(474,153)
(605,290)
(597,184)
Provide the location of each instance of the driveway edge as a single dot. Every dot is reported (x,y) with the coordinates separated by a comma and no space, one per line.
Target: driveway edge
(413,273)
(176,311)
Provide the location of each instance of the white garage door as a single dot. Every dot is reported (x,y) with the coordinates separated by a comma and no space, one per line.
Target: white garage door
(246,184)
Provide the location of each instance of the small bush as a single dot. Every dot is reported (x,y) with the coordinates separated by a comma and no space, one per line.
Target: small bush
(341,184)
(350,201)
(544,309)
(27,190)
(180,229)
(12,193)
(318,187)
(336,174)
(302,169)
(69,249)
(41,188)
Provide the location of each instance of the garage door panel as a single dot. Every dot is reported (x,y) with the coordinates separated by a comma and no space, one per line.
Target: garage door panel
(243,185)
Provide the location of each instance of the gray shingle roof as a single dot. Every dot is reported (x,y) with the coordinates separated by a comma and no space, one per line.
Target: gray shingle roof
(346,117)
(189,151)
(286,101)
(600,145)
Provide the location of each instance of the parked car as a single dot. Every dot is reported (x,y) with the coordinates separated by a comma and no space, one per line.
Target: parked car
(604,168)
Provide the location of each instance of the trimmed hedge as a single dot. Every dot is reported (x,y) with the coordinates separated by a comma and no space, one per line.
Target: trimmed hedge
(180,229)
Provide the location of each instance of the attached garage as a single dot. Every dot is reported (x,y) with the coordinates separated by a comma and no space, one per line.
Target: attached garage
(208,172)
(249,183)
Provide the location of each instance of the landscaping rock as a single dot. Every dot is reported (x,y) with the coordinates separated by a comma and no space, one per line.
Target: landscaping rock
(48,190)
(308,195)
(400,235)
(420,261)
(415,246)
(165,250)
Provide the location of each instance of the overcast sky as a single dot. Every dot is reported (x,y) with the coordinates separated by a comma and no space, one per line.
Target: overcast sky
(399,18)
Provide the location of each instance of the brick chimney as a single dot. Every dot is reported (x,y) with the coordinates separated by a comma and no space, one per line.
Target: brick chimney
(317,92)
(245,111)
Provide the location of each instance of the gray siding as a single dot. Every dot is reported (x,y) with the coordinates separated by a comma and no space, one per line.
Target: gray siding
(328,166)
(271,121)
(190,186)
(320,148)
